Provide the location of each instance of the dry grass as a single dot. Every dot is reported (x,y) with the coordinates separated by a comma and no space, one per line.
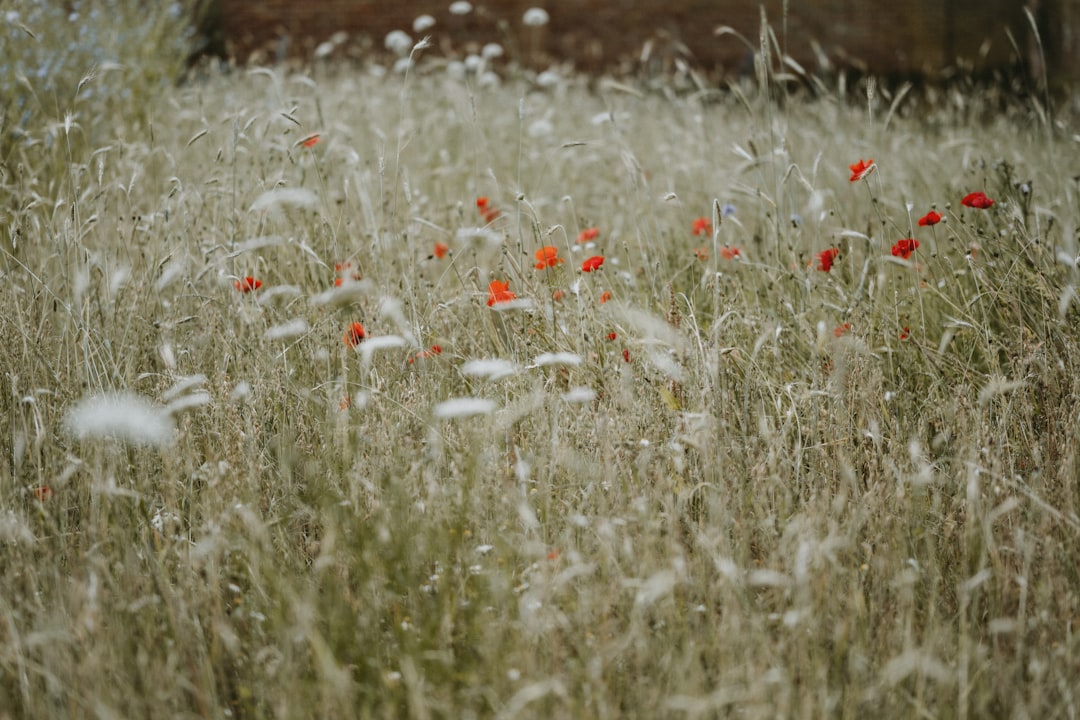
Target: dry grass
(751,517)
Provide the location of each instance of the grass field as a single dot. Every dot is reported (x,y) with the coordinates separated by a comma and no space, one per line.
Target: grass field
(729,472)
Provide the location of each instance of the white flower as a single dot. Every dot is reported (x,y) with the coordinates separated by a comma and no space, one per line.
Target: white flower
(460,7)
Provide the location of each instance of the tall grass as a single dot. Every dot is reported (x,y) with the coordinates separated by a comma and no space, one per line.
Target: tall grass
(796,493)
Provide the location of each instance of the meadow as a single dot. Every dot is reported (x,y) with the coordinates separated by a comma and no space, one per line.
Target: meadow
(339,393)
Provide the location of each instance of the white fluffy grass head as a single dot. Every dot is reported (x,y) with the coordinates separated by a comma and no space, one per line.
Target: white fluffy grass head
(122,416)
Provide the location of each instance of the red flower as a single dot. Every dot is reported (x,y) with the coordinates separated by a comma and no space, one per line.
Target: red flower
(310,141)
(345,273)
(592,263)
(247,284)
(701,254)
(977,200)
(588,234)
(441,249)
(354,335)
(558,295)
(930,218)
(905,333)
(499,292)
(611,336)
(425,354)
(904,248)
(487,210)
(43,493)
(701,226)
(826,258)
(730,253)
(626,354)
(839,330)
(548,256)
(861,169)
(605,296)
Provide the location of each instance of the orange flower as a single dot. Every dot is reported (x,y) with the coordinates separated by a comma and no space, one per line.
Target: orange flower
(861,169)
(441,249)
(587,235)
(592,263)
(247,284)
(354,335)
(730,253)
(499,292)
(310,141)
(904,248)
(481,203)
(548,256)
(604,297)
(826,258)
(701,226)
(558,295)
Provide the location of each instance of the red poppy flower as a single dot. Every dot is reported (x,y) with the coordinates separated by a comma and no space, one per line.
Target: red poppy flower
(825,259)
(701,226)
(626,355)
(904,248)
(247,284)
(839,330)
(861,169)
(930,218)
(440,250)
(487,210)
(311,141)
(558,295)
(548,256)
(701,254)
(43,493)
(354,335)
(977,200)
(612,336)
(592,263)
(588,234)
(499,292)
(905,333)
(605,296)
(425,354)
(730,253)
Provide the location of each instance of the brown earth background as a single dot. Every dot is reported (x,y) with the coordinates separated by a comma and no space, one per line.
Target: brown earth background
(922,38)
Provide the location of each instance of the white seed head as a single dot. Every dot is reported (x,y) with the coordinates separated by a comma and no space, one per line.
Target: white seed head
(123,416)
(398,42)
(422,23)
(536,17)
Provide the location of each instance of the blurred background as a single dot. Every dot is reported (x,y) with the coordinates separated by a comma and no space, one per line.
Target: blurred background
(920,38)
